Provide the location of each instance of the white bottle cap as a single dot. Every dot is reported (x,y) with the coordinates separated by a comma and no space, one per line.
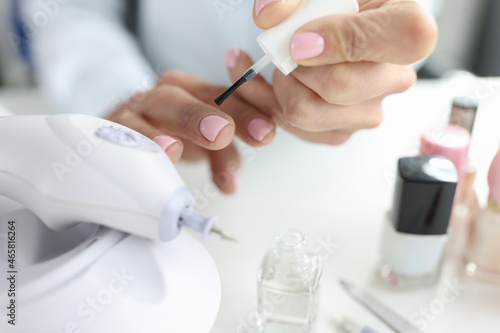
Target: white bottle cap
(275,41)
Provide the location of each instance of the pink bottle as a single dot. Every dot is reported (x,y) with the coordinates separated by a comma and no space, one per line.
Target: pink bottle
(484,248)
(451,142)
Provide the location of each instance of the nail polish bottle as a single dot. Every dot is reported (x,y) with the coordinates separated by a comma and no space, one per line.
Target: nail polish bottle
(451,142)
(463,114)
(415,233)
(288,281)
(466,210)
(484,248)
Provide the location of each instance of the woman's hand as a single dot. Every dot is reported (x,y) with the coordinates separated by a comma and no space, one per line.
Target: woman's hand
(179,115)
(349,63)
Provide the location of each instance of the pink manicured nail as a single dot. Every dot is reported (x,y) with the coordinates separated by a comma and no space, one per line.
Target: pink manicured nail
(258,128)
(232,57)
(164,141)
(306,45)
(211,126)
(260,4)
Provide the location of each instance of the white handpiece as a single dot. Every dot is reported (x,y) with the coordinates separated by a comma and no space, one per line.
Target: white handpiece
(75,168)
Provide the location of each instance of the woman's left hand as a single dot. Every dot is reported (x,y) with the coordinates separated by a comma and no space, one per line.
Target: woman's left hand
(348,64)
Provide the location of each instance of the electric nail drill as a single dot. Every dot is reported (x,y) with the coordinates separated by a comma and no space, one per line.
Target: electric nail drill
(71,168)
(105,276)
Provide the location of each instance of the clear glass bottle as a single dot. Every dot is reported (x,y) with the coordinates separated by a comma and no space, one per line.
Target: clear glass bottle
(288,281)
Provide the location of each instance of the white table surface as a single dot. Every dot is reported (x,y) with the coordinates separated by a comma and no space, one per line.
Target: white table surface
(338,197)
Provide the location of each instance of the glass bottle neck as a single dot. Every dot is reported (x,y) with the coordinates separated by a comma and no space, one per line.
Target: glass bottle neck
(290,246)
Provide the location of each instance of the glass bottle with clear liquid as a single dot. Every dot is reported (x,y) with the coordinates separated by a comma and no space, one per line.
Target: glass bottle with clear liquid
(288,281)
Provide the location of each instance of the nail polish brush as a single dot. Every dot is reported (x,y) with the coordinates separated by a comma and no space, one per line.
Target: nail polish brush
(275,41)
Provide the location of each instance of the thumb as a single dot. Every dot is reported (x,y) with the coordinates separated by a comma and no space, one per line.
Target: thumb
(268,13)
(398,32)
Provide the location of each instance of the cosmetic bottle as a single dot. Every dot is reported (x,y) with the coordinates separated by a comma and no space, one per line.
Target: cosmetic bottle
(288,281)
(463,114)
(466,210)
(415,233)
(451,142)
(484,248)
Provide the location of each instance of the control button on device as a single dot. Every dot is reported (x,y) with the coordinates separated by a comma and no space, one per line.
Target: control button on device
(120,136)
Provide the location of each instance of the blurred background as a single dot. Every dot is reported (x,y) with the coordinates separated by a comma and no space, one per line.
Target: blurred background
(469,40)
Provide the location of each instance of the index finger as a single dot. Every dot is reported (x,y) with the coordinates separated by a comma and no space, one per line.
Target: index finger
(398,32)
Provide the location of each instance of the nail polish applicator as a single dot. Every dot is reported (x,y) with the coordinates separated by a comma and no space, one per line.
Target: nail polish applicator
(275,41)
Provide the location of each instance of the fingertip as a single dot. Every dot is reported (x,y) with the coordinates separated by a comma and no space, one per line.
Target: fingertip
(174,152)
(237,62)
(261,131)
(225,136)
(423,31)
(307,45)
(228,182)
(225,166)
(171,146)
(218,131)
(268,13)
(232,56)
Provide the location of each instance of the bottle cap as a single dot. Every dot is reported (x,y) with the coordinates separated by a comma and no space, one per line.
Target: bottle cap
(423,196)
(494,179)
(463,112)
(275,41)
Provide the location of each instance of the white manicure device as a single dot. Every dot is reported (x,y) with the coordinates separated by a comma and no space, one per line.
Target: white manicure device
(108,275)
(76,168)
(275,41)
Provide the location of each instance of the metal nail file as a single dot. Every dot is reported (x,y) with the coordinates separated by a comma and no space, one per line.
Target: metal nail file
(385,314)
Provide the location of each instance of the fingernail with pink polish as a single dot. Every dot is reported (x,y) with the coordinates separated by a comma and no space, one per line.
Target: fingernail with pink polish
(260,4)
(258,128)
(164,141)
(306,45)
(232,57)
(211,126)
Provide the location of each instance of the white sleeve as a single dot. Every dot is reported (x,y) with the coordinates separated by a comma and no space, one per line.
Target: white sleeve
(83,54)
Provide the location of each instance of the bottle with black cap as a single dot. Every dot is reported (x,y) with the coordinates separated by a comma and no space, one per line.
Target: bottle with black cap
(415,233)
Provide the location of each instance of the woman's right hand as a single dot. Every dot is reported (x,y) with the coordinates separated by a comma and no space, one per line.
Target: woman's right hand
(180,116)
